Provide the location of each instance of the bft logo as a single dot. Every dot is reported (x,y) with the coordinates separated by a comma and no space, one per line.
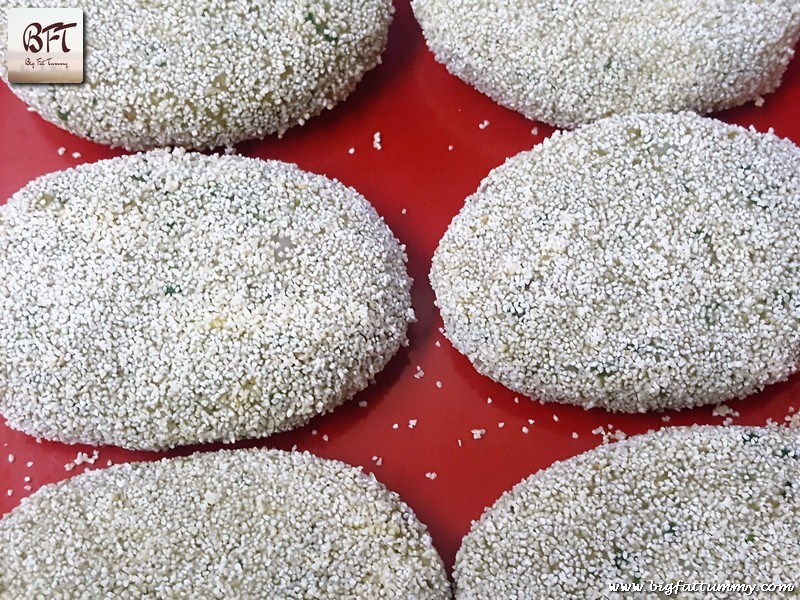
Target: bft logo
(32,36)
(45,45)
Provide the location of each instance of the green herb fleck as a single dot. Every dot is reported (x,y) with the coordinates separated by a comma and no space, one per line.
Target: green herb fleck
(757,200)
(711,313)
(319,27)
(602,372)
(171,291)
(619,558)
(787,489)
(751,437)
(518,311)
(63,115)
(783,297)
(137,177)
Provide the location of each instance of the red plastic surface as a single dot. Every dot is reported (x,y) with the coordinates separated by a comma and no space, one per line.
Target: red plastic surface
(418,184)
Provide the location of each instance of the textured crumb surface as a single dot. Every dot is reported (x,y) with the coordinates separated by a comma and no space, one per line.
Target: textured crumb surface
(209,73)
(568,63)
(712,504)
(170,298)
(641,262)
(229,524)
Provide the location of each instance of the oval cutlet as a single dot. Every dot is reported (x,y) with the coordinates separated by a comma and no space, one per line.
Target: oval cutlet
(170,298)
(568,63)
(719,505)
(230,524)
(207,74)
(641,262)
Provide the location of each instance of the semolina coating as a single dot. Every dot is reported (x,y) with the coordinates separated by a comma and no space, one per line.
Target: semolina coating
(638,263)
(171,298)
(232,524)
(569,63)
(719,505)
(208,73)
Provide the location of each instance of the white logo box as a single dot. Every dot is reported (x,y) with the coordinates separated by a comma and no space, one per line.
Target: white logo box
(45,45)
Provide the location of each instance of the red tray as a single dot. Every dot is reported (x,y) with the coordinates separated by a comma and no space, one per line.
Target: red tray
(418,184)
